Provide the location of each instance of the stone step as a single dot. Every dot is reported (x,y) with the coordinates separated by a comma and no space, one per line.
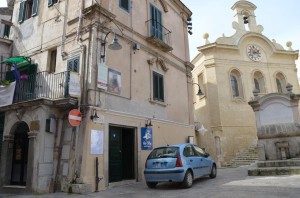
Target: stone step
(292,170)
(278,163)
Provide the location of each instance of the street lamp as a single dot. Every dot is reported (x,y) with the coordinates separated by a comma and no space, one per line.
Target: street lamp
(199,90)
(115,45)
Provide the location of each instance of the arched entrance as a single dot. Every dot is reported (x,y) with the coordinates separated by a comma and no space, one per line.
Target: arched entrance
(20,155)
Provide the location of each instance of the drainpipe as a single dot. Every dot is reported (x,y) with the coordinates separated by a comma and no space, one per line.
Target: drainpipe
(56,154)
(63,38)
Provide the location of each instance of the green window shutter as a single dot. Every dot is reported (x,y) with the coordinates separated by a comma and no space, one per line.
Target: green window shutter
(161,87)
(50,3)
(73,64)
(35,7)
(22,12)
(155,85)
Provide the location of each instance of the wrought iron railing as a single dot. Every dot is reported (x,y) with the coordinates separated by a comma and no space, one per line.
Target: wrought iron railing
(157,30)
(42,85)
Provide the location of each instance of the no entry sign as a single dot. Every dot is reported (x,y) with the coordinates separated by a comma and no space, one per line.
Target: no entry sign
(75,117)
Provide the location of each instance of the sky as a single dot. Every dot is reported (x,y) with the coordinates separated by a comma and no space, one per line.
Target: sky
(280,19)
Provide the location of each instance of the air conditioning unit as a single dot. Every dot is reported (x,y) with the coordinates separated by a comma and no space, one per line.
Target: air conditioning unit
(50,125)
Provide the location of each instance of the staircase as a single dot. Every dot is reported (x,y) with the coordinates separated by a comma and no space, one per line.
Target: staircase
(246,157)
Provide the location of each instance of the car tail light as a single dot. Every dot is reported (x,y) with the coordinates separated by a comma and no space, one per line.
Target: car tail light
(178,161)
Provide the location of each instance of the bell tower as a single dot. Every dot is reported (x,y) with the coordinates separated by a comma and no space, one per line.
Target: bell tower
(245,16)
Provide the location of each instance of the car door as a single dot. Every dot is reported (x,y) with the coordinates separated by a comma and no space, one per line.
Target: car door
(193,160)
(205,163)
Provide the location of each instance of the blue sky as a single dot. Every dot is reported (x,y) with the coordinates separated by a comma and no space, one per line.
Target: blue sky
(280,19)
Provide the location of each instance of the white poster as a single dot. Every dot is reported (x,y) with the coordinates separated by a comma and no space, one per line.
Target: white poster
(96,142)
(7,94)
(102,76)
(74,85)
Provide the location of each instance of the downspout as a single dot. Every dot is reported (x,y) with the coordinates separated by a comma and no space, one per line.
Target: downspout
(56,154)
(63,38)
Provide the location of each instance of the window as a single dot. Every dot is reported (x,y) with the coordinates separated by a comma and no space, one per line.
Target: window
(259,82)
(28,9)
(51,2)
(73,64)
(156,22)
(256,84)
(52,63)
(124,4)
(188,151)
(199,151)
(281,83)
(6,31)
(158,87)
(236,84)
(201,83)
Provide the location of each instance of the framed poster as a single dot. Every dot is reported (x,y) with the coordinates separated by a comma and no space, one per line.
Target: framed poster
(114,81)
(96,142)
(147,140)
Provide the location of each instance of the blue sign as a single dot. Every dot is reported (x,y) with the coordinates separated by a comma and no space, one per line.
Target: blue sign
(147,140)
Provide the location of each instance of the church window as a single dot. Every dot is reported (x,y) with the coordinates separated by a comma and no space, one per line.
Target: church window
(281,83)
(259,82)
(236,84)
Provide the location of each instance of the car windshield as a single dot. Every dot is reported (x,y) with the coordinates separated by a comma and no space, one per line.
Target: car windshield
(164,152)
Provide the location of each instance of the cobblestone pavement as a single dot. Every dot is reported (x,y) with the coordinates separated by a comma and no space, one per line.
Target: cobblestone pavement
(230,183)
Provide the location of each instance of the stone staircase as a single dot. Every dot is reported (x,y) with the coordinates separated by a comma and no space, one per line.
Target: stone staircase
(276,167)
(246,157)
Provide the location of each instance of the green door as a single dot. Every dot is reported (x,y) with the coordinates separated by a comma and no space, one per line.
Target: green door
(1,130)
(115,154)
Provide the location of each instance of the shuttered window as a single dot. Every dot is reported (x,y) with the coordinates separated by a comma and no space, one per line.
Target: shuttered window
(51,2)
(156,22)
(124,4)
(158,87)
(28,9)
(73,64)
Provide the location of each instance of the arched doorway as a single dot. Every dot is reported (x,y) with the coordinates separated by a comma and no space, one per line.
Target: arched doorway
(20,155)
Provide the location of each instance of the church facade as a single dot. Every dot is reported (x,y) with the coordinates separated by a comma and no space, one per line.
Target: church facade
(228,71)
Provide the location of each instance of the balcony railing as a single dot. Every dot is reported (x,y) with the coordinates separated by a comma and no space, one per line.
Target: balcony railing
(42,85)
(159,35)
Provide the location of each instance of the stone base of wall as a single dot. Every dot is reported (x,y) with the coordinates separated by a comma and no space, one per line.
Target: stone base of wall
(77,188)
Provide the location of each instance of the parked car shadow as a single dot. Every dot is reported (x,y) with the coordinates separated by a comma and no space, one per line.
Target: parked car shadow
(178,186)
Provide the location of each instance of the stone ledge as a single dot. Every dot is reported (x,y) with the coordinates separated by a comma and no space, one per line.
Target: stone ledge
(292,170)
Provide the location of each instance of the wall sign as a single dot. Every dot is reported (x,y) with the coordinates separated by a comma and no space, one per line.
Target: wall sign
(102,76)
(147,140)
(114,81)
(96,142)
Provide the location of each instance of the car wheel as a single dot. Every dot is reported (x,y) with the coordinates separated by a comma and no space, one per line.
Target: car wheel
(213,172)
(151,184)
(188,180)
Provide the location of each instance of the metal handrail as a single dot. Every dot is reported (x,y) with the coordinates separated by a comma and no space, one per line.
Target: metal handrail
(42,85)
(157,30)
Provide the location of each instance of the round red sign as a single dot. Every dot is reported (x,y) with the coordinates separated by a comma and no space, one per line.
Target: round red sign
(75,117)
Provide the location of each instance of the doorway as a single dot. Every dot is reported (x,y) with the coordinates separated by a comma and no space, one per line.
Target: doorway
(121,153)
(20,155)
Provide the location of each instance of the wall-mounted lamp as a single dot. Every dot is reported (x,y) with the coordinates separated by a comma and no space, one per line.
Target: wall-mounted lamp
(94,115)
(115,45)
(148,123)
(200,93)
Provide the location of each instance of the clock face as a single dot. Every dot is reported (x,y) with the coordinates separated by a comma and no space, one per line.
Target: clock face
(254,52)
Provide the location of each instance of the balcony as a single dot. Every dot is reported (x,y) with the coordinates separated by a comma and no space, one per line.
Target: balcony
(159,36)
(42,88)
